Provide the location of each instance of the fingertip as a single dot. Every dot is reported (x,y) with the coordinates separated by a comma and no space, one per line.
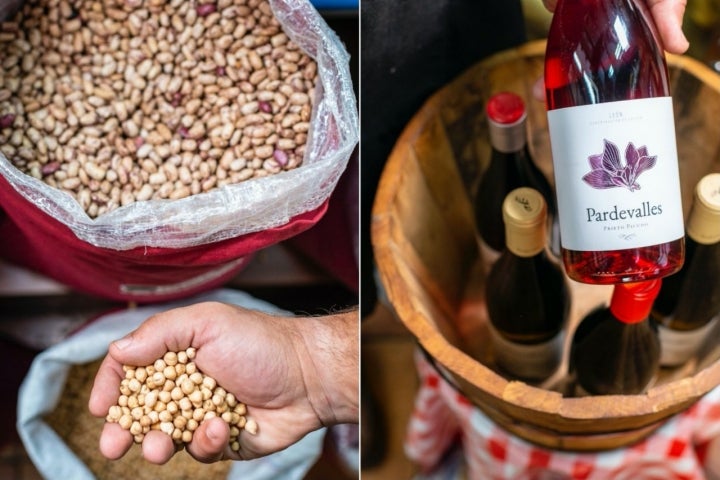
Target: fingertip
(95,403)
(668,18)
(673,38)
(210,441)
(217,431)
(154,337)
(105,391)
(538,90)
(122,347)
(157,447)
(678,44)
(114,441)
(124,342)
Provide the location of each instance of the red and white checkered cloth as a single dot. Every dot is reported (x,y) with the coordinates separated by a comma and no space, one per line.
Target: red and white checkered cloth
(442,416)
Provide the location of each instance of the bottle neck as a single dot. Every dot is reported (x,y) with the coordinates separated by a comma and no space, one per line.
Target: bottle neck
(703,224)
(525,218)
(629,319)
(701,232)
(508,138)
(632,302)
(525,242)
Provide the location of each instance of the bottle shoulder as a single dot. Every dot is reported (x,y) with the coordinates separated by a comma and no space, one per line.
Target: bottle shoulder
(512,170)
(511,265)
(577,55)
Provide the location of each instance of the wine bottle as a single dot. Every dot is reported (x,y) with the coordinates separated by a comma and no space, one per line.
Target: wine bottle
(688,304)
(511,166)
(612,136)
(615,349)
(527,295)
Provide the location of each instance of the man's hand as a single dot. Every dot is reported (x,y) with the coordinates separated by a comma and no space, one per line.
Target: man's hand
(668,16)
(294,374)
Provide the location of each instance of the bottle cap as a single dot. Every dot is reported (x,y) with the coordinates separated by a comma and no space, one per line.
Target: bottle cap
(506,108)
(506,122)
(632,302)
(525,217)
(703,224)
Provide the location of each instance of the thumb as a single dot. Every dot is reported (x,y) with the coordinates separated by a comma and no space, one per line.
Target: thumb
(171,330)
(668,16)
(140,347)
(550,4)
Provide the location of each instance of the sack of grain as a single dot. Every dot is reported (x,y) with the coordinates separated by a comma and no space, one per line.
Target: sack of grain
(149,148)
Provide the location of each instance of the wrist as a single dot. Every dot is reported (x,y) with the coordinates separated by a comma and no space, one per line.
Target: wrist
(331,366)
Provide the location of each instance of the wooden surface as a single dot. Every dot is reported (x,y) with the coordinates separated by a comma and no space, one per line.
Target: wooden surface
(429,263)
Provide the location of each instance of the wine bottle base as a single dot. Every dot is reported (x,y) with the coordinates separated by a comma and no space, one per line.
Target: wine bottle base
(625,266)
(609,278)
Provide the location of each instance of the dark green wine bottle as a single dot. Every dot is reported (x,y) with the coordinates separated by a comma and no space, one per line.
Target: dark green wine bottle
(688,304)
(511,166)
(615,349)
(527,296)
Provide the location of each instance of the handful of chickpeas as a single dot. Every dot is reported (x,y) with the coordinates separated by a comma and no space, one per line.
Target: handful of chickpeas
(173,396)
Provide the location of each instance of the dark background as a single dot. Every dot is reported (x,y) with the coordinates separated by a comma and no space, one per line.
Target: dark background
(409,49)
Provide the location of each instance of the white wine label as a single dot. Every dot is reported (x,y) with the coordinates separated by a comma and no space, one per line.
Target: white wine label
(537,361)
(677,346)
(616,174)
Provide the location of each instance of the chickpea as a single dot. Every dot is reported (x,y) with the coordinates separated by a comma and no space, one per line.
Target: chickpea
(155,402)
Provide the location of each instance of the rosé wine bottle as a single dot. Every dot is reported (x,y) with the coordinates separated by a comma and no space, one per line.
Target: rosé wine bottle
(612,135)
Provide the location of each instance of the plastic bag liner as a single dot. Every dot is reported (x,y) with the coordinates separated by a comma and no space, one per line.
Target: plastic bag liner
(44,383)
(160,250)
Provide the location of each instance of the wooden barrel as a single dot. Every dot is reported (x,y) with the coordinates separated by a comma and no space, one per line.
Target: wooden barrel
(423,236)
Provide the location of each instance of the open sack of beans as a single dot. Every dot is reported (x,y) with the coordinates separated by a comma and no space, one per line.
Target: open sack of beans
(149,147)
(62,437)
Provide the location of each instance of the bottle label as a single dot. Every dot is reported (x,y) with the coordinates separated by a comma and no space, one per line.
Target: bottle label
(678,346)
(537,361)
(616,174)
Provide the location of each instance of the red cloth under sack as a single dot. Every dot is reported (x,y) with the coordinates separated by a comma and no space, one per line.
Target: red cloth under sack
(30,238)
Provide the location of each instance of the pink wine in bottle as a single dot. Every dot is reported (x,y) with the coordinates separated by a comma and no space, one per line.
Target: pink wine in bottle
(612,134)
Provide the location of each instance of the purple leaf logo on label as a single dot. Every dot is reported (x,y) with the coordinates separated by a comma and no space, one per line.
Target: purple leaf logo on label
(608,170)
